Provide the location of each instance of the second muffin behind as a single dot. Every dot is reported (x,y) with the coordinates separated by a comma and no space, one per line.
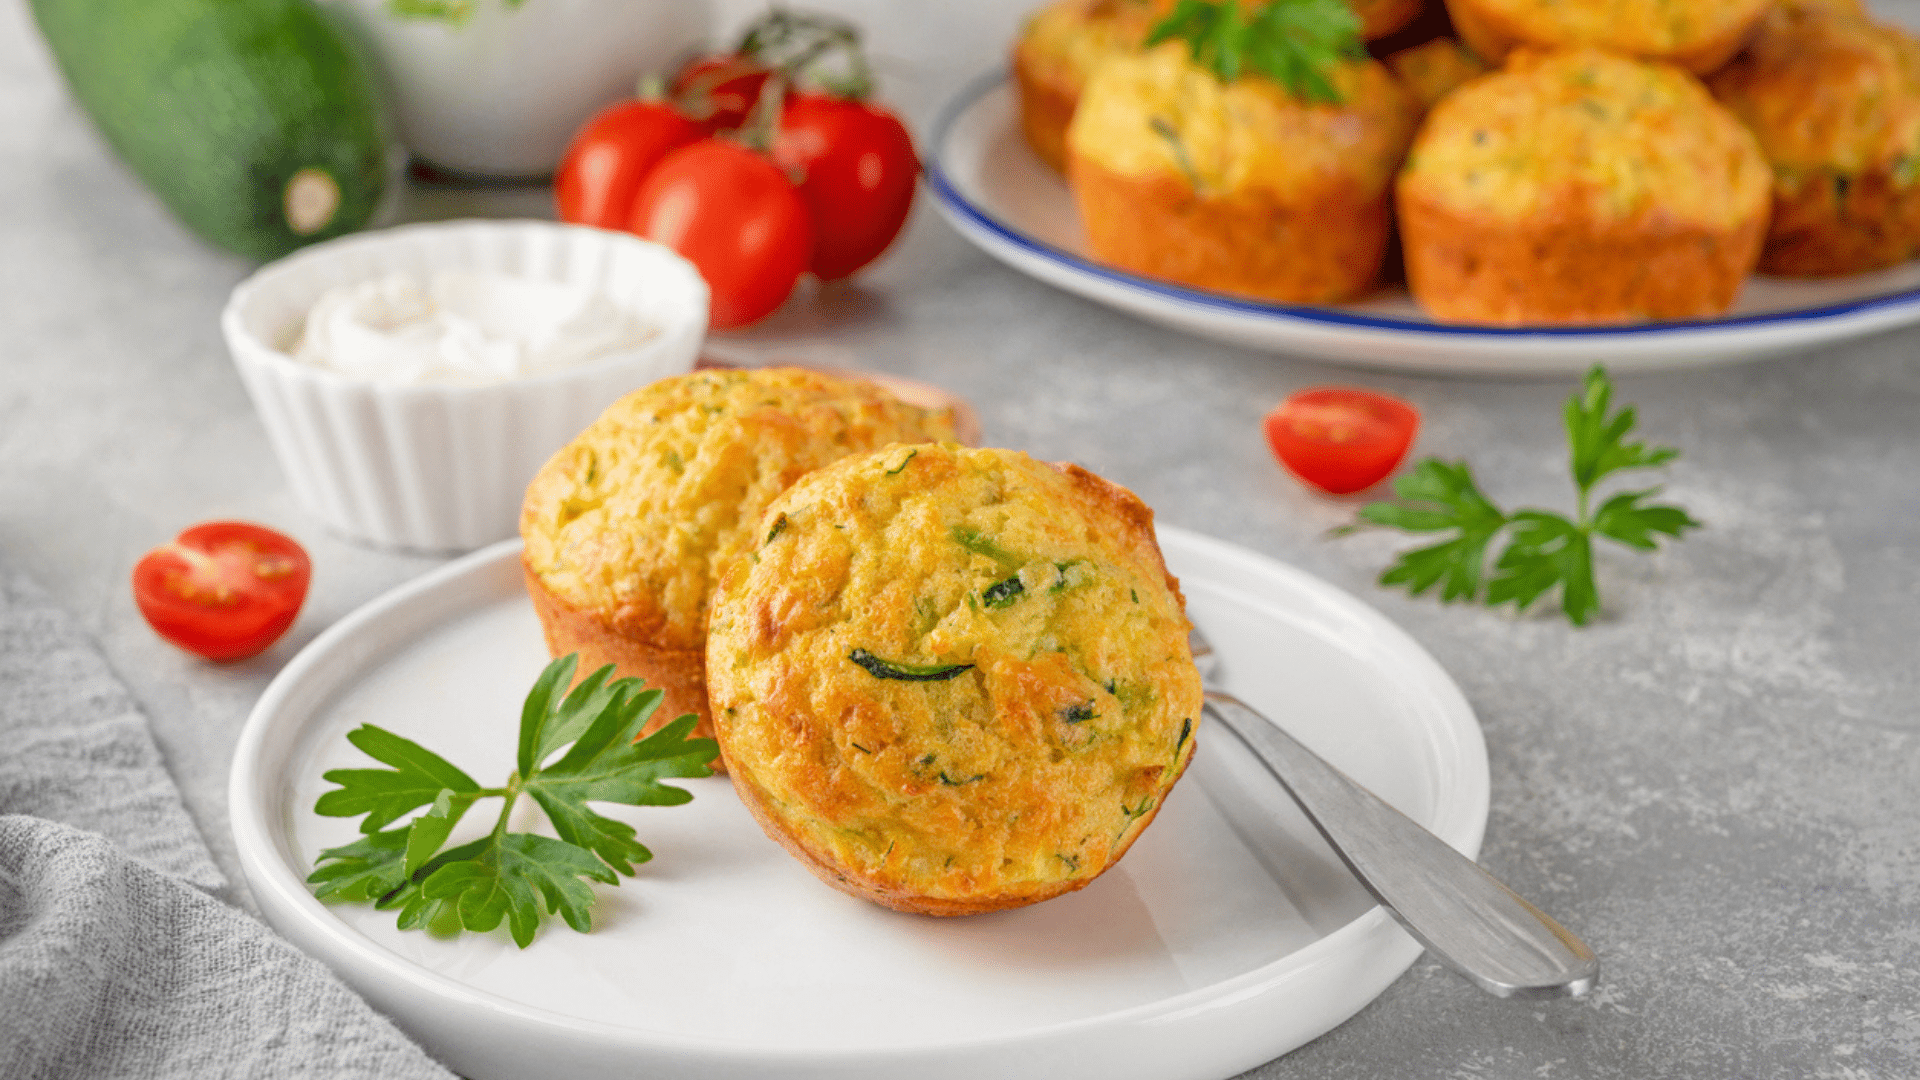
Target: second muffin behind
(629,526)
(1242,185)
(1578,186)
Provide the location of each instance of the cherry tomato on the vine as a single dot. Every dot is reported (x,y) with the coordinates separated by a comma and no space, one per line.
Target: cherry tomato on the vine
(1341,439)
(736,217)
(855,166)
(611,157)
(224,590)
(721,90)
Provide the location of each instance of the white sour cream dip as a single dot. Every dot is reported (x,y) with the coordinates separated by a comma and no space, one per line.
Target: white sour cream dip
(463,327)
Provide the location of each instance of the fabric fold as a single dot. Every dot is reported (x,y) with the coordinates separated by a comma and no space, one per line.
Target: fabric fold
(115,960)
(75,747)
(109,968)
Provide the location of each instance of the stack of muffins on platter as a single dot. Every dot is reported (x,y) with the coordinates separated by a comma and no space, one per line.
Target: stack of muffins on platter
(1560,162)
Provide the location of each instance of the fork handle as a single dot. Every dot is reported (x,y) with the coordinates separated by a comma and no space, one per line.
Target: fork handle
(1462,914)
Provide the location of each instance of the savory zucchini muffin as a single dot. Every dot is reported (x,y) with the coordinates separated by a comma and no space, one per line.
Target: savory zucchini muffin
(628,526)
(1835,102)
(1434,69)
(1699,35)
(1576,187)
(1058,49)
(952,680)
(1061,44)
(1241,187)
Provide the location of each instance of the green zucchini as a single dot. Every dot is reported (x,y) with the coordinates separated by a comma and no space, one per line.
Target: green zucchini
(257,122)
(973,541)
(887,669)
(1003,593)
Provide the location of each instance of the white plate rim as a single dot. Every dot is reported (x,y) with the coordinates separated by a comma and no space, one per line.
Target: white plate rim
(291,907)
(1539,350)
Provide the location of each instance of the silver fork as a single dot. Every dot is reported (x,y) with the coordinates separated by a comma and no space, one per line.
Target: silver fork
(1462,914)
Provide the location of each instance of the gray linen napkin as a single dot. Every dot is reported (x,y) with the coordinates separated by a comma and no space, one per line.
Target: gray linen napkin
(113,961)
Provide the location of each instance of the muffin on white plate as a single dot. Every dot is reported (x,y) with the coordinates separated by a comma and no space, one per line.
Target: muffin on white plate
(630,525)
(413,380)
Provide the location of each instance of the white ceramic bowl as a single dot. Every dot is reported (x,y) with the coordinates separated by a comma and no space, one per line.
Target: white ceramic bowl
(501,93)
(435,467)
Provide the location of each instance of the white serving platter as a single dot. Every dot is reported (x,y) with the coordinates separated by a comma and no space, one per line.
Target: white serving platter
(1229,934)
(991,188)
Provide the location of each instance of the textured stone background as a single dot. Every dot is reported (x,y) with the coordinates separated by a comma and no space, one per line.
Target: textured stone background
(1718,784)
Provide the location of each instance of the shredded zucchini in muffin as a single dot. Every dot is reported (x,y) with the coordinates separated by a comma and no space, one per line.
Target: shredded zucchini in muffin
(953,680)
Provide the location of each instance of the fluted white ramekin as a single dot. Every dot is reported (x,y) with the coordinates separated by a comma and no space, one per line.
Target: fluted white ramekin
(444,468)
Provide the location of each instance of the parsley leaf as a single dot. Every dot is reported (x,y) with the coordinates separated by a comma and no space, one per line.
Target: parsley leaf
(429,832)
(367,869)
(1544,550)
(1598,441)
(1435,497)
(384,795)
(606,765)
(1293,42)
(549,721)
(1622,518)
(510,876)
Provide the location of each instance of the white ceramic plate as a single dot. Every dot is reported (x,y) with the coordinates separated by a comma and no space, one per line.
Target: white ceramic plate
(1228,936)
(992,189)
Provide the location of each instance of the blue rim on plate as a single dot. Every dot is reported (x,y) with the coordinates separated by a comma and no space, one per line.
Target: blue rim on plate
(950,196)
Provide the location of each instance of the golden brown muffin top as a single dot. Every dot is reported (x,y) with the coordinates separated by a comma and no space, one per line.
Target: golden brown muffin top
(955,673)
(1064,41)
(637,517)
(1434,69)
(1158,113)
(1645,28)
(1583,132)
(1828,92)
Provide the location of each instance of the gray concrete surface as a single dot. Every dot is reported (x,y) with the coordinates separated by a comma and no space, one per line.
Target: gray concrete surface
(1718,783)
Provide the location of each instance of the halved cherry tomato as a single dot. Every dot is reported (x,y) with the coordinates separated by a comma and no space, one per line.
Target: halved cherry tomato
(855,166)
(223,589)
(736,217)
(720,90)
(1341,439)
(611,156)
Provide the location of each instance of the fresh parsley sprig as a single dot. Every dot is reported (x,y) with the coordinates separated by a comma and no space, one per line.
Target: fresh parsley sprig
(1293,42)
(1544,550)
(455,12)
(507,875)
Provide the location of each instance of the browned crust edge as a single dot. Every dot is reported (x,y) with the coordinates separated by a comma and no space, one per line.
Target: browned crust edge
(865,887)
(1100,494)
(1323,249)
(680,674)
(1492,37)
(1046,108)
(1824,229)
(1568,269)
